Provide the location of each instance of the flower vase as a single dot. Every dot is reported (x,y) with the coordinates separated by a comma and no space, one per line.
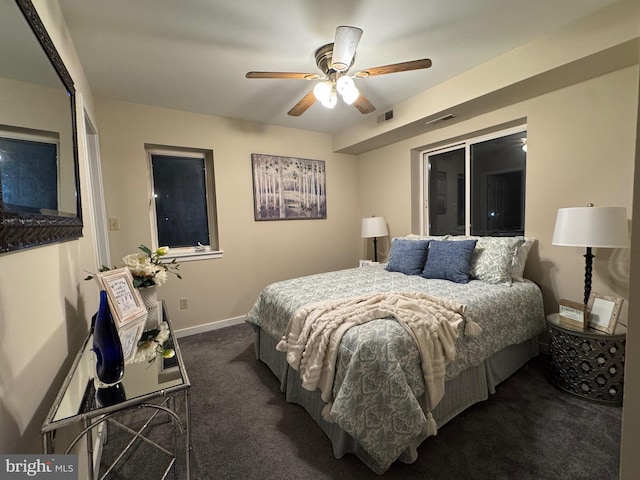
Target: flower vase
(107,346)
(149,297)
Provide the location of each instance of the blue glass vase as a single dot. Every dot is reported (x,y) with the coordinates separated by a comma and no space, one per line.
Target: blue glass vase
(106,345)
(112,395)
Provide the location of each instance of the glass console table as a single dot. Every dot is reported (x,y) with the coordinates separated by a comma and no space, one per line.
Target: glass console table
(154,387)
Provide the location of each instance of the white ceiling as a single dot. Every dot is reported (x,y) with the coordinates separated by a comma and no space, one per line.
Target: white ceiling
(193,54)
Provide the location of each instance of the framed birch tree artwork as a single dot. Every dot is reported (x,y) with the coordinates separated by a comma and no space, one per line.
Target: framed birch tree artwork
(288,188)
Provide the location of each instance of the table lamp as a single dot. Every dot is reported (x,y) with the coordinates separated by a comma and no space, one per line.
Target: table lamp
(374,227)
(601,227)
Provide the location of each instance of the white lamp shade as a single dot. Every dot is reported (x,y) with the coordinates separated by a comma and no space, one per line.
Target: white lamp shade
(374,227)
(604,227)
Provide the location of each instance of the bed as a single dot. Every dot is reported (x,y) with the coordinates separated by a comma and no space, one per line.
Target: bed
(378,408)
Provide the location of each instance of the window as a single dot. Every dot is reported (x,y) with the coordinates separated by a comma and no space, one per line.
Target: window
(477,187)
(29,173)
(183,206)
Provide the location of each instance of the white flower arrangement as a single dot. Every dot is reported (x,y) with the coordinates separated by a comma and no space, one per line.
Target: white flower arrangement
(147,267)
(152,344)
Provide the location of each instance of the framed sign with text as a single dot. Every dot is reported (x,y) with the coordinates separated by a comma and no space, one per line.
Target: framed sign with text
(125,302)
(573,314)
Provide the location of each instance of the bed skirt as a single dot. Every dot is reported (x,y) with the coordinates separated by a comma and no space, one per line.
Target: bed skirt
(470,386)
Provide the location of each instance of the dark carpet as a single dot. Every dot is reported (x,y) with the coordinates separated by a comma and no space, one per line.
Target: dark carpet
(242,428)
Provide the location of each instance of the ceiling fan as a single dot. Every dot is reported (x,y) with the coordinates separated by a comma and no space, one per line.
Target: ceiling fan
(334,61)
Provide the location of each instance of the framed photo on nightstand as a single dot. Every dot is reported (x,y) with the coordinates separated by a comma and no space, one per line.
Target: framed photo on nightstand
(603,312)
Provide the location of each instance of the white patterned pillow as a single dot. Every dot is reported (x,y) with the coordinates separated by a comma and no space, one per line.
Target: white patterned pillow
(493,258)
(520,258)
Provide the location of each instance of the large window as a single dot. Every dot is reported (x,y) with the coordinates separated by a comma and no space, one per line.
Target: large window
(477,187)
(184,200)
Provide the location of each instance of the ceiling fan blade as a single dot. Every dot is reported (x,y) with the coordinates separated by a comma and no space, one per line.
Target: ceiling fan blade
(364,105)
(344,47)
(303,105)
(396,67)
(293,75)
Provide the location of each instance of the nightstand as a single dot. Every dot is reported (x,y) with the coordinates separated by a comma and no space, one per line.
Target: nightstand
(587,364)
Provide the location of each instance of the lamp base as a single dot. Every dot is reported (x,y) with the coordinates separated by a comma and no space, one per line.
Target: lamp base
(588,268)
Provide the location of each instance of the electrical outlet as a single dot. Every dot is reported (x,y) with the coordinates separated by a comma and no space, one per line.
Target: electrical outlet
(114,224)
(184,303)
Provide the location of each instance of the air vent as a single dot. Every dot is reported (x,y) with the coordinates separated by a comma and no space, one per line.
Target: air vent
(385,117)
(443,118)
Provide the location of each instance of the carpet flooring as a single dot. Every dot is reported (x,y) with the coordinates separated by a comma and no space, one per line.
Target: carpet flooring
(242,428)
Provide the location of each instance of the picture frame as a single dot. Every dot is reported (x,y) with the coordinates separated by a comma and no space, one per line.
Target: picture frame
(603,312)
(368,263)
(572,315)
(288,188)
(129,337)
(125,302)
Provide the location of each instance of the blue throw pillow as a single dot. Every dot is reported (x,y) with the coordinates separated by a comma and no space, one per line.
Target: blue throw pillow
(449,260)
(408,256)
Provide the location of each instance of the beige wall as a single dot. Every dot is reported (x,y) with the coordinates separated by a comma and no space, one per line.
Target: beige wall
(44,305)
(581,149)
(583,143)
(630,463)
(582,135)
(255,253)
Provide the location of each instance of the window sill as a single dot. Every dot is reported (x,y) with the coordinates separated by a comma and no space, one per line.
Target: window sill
(193,255)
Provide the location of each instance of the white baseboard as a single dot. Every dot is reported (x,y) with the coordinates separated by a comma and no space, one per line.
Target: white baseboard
(207,327)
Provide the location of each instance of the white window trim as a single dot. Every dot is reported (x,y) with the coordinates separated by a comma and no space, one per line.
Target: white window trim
(191,255)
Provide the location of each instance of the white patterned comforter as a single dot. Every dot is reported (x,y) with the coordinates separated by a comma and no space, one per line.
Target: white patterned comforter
(378,376)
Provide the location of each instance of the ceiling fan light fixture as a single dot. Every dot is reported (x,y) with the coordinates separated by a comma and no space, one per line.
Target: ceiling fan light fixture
(331,101)
(334,61)
(322,91)
(350,95)
(344,84)
(347,88)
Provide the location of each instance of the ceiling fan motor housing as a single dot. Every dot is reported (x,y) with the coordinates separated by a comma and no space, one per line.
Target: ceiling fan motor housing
(323,59)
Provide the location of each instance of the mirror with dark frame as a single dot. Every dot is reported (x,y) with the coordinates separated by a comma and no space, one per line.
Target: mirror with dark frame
(40,186)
